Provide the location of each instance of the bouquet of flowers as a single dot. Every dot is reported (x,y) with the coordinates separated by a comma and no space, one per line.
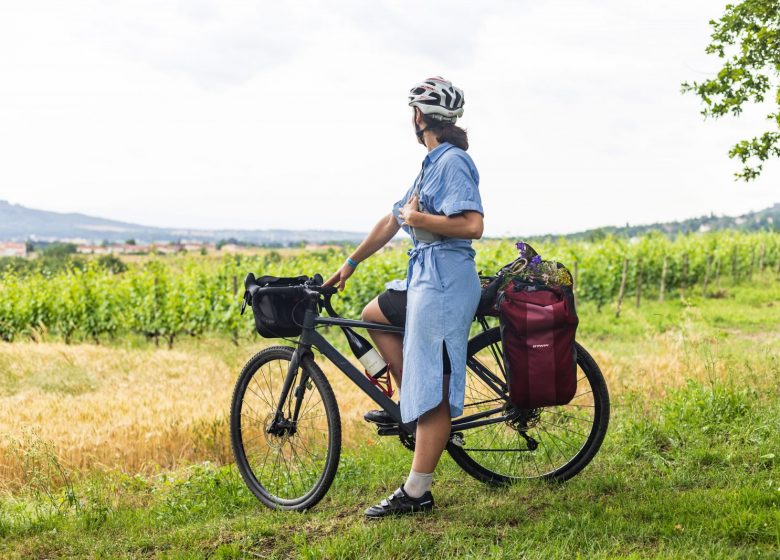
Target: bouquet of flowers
(530,268)
(527,268)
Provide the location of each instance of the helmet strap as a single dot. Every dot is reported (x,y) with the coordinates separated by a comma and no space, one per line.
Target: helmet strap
(420,131)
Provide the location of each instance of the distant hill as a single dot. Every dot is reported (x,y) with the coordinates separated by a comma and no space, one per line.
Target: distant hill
(767,219)
(18,223)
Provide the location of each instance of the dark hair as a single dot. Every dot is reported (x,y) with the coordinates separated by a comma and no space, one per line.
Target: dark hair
(448,132)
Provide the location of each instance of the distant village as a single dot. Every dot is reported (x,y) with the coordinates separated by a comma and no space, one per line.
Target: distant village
(21,249)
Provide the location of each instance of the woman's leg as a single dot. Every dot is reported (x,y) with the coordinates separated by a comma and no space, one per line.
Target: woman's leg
(390,345)
(433,431)
(433,427)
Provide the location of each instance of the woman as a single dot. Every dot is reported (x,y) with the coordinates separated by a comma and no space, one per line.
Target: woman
(438,300)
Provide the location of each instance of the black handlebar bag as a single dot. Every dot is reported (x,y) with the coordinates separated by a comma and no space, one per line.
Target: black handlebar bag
(278,315)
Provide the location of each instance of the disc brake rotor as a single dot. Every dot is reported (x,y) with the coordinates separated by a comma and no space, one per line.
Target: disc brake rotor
(274,441)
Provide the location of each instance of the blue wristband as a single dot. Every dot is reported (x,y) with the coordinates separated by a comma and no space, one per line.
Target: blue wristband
(351,263)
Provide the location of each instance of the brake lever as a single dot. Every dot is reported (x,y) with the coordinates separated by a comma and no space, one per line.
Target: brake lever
(247,297)
(327,306)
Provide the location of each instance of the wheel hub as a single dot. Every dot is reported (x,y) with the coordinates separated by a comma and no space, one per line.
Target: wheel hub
(523,419)
(277,431)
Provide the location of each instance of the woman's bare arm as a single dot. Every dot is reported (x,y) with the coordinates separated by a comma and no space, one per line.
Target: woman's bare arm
(382,232)
(466,225)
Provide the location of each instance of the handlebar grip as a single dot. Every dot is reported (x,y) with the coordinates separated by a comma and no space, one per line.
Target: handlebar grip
(327,290)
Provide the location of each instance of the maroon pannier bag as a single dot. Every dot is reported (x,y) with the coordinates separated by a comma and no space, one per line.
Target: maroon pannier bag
(537,324)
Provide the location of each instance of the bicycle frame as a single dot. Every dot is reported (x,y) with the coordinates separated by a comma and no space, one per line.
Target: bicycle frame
(311,338)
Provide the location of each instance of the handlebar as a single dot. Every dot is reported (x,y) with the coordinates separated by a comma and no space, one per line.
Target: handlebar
(311,288)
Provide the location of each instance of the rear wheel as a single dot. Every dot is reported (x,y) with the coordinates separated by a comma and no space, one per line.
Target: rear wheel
(553,443)
(287,465)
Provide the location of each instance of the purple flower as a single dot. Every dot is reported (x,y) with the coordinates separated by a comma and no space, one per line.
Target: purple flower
(520,247)
(536,260)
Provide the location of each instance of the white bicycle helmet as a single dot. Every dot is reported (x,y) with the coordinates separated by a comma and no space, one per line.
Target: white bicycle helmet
(438,98)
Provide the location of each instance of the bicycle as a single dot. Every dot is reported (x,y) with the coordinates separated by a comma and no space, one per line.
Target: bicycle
(288,413)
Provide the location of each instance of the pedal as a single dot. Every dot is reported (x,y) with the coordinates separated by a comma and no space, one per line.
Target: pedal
(388,429)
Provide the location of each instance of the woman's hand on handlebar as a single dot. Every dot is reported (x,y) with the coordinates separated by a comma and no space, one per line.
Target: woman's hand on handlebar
(341,276)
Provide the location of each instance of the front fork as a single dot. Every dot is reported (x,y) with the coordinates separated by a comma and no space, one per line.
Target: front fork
(281,425)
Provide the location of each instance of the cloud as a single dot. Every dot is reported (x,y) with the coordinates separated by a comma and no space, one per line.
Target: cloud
(214,44)
(444,31)
(228,114)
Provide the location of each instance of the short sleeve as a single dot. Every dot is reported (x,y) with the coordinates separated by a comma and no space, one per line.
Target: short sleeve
(397,209)
(459,189)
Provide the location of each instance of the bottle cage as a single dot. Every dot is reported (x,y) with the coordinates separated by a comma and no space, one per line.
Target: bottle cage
(384,382)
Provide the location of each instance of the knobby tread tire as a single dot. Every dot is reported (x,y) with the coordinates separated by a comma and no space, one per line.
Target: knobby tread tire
(323,483)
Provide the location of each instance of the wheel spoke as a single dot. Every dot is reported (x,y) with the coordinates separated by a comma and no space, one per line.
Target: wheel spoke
(569,416)
(260,388)
(284,463)
(500,450)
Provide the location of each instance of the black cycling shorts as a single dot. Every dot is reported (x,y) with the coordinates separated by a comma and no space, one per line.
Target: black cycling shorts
(393,305)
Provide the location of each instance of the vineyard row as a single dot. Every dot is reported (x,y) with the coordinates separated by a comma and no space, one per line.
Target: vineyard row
(170,297)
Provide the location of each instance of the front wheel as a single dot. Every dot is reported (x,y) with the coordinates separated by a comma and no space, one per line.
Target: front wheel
(551,443)
(287,463)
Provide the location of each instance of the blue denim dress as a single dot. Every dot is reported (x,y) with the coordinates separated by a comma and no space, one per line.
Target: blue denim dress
(442,287)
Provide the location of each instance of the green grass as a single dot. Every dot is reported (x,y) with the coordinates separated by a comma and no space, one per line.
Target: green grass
(690,468)
(697,478)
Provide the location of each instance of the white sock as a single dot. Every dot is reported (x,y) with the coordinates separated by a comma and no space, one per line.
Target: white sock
(418,483)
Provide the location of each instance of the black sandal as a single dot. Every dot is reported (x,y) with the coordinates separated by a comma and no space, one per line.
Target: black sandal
(399,503)
(378,417)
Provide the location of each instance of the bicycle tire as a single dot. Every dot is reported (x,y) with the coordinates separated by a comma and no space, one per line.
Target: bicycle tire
(488,464)
(279,489)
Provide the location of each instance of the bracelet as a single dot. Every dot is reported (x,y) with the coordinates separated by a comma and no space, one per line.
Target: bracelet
(351,263)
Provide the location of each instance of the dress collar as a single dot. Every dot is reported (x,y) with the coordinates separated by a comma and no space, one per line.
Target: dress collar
(436,153)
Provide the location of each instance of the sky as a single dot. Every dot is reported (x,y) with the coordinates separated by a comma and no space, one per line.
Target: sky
(294,115)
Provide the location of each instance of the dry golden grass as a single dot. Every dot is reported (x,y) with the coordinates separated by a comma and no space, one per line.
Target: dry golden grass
(656,364)
(141,410)
(137,410)
(105,408)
